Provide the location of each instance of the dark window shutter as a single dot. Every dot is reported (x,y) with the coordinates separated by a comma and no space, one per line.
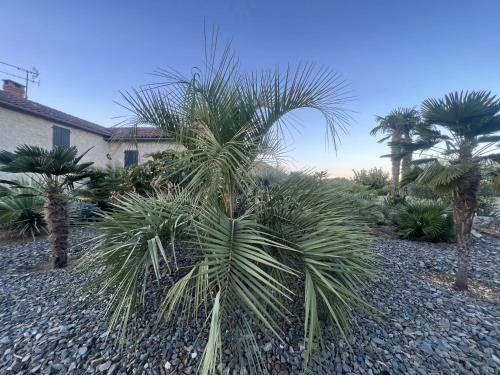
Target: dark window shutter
(131,158)
(60,137)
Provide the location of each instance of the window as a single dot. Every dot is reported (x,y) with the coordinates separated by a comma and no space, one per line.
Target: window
(60,137)
(131,158)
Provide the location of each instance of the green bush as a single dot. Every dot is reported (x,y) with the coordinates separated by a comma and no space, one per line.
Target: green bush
(161,172)
(106,185)
(374,179)
(394,200)
(486,200)
(419,191)
(21,208)
(423,220)
(169,168)
(103,185)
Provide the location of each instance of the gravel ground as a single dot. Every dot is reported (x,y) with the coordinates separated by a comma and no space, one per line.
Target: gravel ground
(422,326)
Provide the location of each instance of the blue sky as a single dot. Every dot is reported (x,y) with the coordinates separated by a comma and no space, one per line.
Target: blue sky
(392,53)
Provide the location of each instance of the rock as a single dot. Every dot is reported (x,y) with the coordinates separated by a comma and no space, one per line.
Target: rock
(104,367)
(113,369)
(423,327)
(486,225)
(426,348)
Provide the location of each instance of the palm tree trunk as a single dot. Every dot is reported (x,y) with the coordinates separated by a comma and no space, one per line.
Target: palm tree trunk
(56,216)
(408,157)
(396,161)
(464,209)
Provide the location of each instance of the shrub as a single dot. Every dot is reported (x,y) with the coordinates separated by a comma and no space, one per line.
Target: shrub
(419,191)
(169,168)
(106,185)
(103,185)
(422,220)
(21,208)
(486,202)
(374,179)
(363,200)
(394,200)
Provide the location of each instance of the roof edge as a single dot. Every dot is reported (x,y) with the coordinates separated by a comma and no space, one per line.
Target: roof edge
(104,132)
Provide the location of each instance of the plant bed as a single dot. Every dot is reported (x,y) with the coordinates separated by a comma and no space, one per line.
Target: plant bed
(49,323)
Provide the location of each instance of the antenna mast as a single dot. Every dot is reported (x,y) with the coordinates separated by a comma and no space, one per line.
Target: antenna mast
(28,75)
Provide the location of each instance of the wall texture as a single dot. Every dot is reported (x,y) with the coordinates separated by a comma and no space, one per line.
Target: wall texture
(18,128)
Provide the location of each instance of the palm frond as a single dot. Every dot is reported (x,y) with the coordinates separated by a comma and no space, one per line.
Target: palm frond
(21,208)
(132,243)
(464,113)
(332,256)
(61,162)
(236,268)
(495,157)
(424,221)
(488,139)
(443,177)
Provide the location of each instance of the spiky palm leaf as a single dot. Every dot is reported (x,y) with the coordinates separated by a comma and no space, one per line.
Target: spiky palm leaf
(332,256)
(424,221)
(466,114)
(243,267)
(134,241)
(443,177)
(247,250)
(21,208)
(60,161)
(403,119)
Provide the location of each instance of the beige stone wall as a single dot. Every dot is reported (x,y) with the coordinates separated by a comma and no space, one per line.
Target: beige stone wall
(117,150)
(18,128)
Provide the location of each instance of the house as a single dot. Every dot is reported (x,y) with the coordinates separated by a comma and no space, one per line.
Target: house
(23,121)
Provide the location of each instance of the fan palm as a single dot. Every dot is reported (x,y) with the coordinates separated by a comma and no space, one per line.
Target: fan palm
(260,250)
(467,125)
(56,171)
(423,220)
(21,208)
(399,125)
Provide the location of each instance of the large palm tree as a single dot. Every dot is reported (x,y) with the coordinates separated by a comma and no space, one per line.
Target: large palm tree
(56,171)
(398,125)
(261,253)
(467,130)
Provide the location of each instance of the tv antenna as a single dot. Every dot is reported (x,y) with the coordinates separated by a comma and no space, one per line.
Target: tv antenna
(28,75)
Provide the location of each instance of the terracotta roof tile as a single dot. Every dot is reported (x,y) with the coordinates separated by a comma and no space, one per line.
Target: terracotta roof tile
(121,133)
(15,102)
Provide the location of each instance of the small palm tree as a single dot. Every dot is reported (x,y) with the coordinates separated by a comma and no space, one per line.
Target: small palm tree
(260,251)
(466,126)
(399,125)
(56,171)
